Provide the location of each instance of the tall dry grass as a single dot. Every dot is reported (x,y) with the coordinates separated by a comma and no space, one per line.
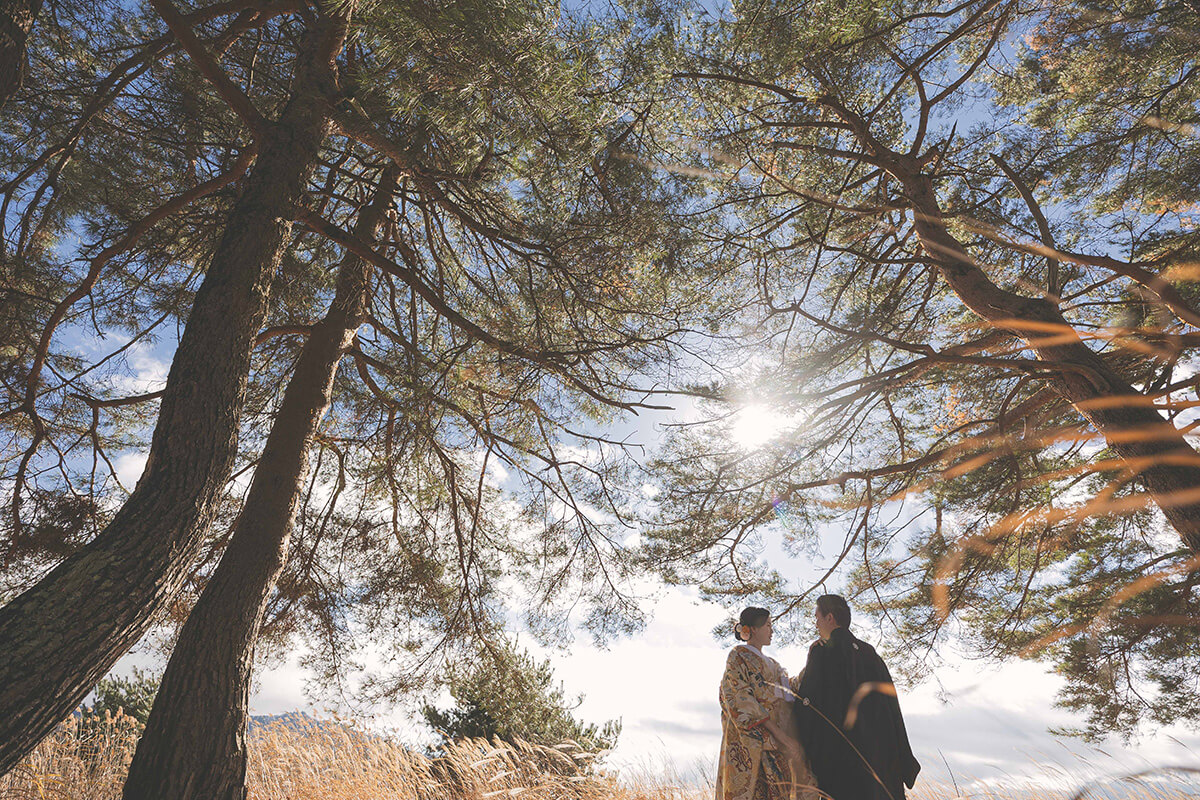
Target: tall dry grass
(81,759)
(326,761)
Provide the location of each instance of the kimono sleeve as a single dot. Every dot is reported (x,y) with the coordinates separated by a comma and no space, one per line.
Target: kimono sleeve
(741,689)
(794,683)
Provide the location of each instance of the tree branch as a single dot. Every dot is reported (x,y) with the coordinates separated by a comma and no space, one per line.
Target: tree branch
(230,92)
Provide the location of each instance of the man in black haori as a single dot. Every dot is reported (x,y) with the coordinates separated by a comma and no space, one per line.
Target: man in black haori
(847,715)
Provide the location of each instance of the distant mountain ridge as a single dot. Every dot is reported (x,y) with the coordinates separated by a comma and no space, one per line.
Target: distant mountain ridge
(292,720)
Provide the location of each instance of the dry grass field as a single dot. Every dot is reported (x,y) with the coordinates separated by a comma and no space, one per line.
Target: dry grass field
(336,762)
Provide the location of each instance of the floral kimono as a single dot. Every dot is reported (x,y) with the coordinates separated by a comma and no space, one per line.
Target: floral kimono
(756,688)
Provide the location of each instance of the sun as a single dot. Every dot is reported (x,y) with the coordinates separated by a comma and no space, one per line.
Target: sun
(755,425)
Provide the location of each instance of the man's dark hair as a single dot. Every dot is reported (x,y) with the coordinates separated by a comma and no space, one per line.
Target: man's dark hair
(751,617)
(834,604)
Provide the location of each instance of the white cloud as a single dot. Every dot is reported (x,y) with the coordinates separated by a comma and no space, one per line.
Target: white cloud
(497,474)
(989,730)
(149,370)
(991,727)
(130,467)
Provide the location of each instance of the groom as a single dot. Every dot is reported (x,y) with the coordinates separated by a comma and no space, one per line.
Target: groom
(848,716)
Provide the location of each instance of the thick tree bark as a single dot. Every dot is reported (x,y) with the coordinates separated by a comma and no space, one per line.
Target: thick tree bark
(16,21)
(1169,466)
(61,636)
(194,744)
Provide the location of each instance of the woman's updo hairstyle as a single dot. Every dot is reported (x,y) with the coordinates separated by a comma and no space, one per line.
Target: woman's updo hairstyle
(751,617)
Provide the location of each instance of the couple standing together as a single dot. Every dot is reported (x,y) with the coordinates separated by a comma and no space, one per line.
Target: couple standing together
(833,731)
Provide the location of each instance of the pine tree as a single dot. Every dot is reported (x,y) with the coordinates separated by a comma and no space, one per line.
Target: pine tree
(505,694)
(74,623)
(523,274)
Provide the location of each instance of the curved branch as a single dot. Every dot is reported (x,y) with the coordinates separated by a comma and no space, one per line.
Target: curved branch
(1035,209)
(230,92)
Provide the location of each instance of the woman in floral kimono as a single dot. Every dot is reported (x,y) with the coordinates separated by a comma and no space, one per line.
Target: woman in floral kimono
(760,759)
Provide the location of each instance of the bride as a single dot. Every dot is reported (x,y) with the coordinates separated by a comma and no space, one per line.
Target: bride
(760,759)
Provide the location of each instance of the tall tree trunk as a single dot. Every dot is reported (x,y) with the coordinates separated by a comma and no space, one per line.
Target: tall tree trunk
(62,635)
(1169,466)
(194,744)
(16,21)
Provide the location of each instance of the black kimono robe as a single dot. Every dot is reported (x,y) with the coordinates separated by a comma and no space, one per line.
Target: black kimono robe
(835,671)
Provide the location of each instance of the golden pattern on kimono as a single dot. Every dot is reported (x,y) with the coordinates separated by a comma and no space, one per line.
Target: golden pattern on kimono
(756,688)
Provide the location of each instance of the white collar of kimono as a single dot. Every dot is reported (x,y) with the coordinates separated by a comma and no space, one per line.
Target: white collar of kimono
(753,649)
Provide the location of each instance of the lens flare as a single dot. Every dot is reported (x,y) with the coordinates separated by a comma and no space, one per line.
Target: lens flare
(756,425)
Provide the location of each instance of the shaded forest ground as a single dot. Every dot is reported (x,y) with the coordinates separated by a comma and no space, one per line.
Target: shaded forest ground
(321,761)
